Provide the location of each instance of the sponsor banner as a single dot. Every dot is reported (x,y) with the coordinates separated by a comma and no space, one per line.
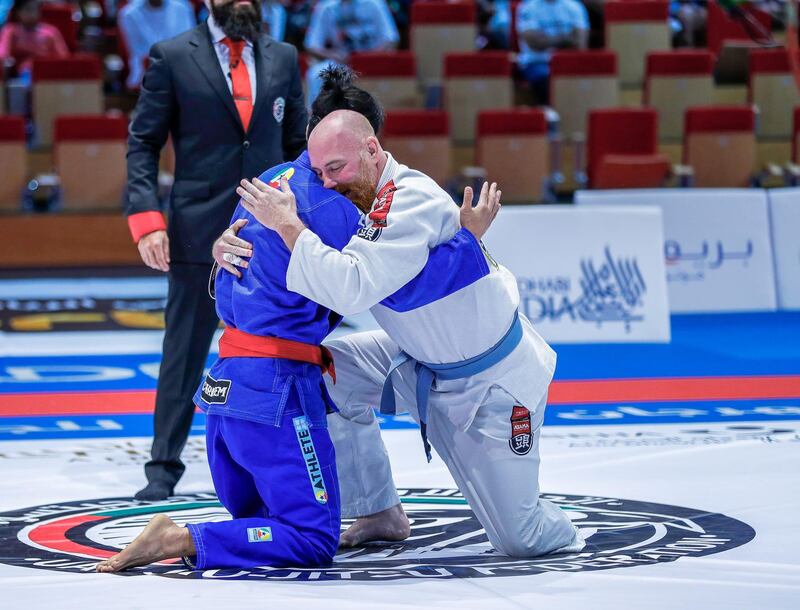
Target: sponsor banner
(81,313)
(717,246)
(784,210)
(585,275)
(114,425)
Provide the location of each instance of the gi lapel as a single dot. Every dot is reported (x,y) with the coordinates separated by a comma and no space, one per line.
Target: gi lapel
(263,78)
(206,59)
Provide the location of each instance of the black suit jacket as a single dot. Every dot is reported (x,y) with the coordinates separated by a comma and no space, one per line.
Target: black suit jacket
(185,94)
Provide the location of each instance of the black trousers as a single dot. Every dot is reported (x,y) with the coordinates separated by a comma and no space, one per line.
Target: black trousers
(190,324)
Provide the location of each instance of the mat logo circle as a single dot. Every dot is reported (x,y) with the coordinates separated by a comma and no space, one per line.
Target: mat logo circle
(447,541)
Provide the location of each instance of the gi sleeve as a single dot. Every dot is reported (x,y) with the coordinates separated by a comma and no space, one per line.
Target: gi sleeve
(147,136)
(378,261)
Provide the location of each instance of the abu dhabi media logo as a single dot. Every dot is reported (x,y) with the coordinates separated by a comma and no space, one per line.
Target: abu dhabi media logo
(608,290)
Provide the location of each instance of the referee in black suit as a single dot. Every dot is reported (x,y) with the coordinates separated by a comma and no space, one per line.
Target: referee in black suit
(231,99)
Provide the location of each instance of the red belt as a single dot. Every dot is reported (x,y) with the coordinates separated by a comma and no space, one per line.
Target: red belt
(235,343)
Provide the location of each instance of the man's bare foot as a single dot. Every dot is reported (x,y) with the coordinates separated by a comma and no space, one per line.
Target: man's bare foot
(390,524)
(161,539)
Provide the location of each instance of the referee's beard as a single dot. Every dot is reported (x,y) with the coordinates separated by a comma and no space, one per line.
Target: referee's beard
(239,19)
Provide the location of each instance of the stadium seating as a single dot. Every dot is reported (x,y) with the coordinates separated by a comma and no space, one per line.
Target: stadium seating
(475,82)
(676,80)
(722,28)
(391,77)
(61,16)
(512,146)
(634,28)
(622,149)
(439,28)
(720,145)
(421,139)
(13,160)
(89,154)
(774,91)
(581,81)
(64,86)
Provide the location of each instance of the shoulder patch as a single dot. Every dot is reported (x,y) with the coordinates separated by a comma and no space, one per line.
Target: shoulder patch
(369,233)
(275,182)
(380,209)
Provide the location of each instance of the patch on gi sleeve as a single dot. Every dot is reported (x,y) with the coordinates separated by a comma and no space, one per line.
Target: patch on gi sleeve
(310,456)
(259,534)
(380,209)
(521,436)
(369,233)
(275,181)
(215,391)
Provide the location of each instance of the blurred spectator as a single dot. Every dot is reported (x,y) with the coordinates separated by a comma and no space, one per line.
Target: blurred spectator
(494,20)
(5,8)
(25,39)
(341,27)
(688,19)
(143,23)
(544,26)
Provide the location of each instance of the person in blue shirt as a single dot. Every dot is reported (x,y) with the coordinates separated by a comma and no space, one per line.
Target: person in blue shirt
(271,457)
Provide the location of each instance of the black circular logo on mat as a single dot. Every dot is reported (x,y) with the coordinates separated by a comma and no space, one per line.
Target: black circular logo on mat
(446,540)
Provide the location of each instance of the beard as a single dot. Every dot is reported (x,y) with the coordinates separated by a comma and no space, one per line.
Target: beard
(238,22)
(360,191)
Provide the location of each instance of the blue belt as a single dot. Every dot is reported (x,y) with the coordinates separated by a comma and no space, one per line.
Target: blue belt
(428,372)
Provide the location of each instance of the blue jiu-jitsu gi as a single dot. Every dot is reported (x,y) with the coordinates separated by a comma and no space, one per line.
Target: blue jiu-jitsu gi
(271,458)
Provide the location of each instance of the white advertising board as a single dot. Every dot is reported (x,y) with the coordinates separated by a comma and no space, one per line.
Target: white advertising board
(586,275)
(717,245)
(784,210)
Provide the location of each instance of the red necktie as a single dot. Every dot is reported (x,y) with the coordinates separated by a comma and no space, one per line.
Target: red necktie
(242,95)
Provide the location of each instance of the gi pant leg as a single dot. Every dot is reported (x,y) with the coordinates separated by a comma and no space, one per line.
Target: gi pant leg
(502,487)
(268,477)
(365,475)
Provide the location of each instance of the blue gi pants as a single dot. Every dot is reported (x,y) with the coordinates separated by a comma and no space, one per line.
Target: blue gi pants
(279,483)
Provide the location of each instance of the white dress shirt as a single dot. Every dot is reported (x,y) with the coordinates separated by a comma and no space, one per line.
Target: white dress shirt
(224,55)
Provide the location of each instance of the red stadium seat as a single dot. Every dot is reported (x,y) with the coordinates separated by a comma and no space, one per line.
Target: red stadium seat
(722,28)
(774,91)
(513,35)
(623,149)
(92,146)
(581,81)
(475,82)
(512,145)
(13,160)
(62,17)
(674,81)
(391,77)
(65,86)
(420,138)
(439,28)
(634,28)
(720,145)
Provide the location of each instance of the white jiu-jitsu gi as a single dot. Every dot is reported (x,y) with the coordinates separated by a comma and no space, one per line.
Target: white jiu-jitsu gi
(494,460)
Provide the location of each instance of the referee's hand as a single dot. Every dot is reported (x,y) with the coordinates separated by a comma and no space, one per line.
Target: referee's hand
(154,250)
(229,250)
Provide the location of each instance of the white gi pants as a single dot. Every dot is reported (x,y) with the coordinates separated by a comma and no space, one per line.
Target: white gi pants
(502,488)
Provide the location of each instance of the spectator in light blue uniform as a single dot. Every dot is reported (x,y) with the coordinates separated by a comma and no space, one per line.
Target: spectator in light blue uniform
(341,27)
(143,23)
(544,26)
(5,8)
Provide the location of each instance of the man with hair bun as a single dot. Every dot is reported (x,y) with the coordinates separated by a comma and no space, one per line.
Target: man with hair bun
(479,396)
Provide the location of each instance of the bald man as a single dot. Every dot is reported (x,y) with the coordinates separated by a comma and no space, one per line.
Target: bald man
(468,366)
